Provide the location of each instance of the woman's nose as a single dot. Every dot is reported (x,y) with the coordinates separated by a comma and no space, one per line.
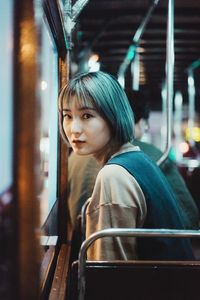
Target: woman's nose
(76,126)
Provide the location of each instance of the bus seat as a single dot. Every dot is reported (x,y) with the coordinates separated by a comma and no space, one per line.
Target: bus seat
(149,280)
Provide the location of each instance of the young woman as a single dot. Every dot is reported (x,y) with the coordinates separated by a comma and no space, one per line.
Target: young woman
(130,190)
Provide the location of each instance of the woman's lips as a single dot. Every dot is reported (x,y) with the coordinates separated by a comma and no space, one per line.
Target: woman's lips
(77,142)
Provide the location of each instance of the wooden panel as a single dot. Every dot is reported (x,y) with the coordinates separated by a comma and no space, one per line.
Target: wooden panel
(59,285)
(26,156)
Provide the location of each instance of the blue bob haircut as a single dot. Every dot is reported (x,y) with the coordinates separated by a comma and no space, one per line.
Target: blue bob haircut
(105,94)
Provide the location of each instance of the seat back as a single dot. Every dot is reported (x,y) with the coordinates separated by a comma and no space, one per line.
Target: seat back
(134,232)
(140,280)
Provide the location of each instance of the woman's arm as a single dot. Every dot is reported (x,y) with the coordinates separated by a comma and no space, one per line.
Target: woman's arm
(117,201)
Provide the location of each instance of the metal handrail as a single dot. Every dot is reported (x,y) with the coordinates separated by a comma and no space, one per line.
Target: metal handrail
(83,219)
(128,232)
(135,41)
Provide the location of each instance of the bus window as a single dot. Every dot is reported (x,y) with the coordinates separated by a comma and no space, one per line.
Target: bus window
(49,129)
(6,97)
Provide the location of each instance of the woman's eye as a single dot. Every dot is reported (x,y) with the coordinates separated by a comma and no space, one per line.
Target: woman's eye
(67,116)
(87,116)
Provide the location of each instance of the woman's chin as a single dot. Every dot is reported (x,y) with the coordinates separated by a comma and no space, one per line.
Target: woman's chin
(81,151)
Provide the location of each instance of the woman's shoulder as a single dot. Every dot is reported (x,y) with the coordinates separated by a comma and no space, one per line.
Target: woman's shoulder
(115,180)
(116,176)
(112,170)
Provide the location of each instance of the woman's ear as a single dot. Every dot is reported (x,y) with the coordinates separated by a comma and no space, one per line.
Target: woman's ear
(139,129)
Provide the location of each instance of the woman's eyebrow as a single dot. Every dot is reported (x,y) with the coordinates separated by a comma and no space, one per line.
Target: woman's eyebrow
(80,108)
(86,108)
(66,109)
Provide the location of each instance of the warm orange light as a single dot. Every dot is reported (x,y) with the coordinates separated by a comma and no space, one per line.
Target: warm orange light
(184,147)
(93,58)
(93,63)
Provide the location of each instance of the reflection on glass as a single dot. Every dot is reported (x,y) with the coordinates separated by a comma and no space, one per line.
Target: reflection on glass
(6,149)
(6,127)
(49,130)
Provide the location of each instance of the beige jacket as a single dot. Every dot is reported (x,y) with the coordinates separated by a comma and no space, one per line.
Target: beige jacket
(117,201)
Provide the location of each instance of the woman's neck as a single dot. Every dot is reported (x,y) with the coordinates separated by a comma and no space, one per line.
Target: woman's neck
(104,155)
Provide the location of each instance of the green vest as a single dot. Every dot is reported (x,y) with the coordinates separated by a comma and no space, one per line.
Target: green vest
(162,209)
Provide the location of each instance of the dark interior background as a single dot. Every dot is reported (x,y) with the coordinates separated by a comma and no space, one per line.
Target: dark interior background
(107,27)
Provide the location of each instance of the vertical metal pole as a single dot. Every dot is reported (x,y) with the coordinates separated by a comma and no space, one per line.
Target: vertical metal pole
(169,78)
(178,101)
(67,21)
(135,72)
(191,112)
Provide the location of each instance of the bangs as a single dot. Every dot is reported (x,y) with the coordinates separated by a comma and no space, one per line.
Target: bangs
(78,95)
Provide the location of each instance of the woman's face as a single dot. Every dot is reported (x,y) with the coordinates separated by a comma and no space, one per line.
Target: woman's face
(86,130)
